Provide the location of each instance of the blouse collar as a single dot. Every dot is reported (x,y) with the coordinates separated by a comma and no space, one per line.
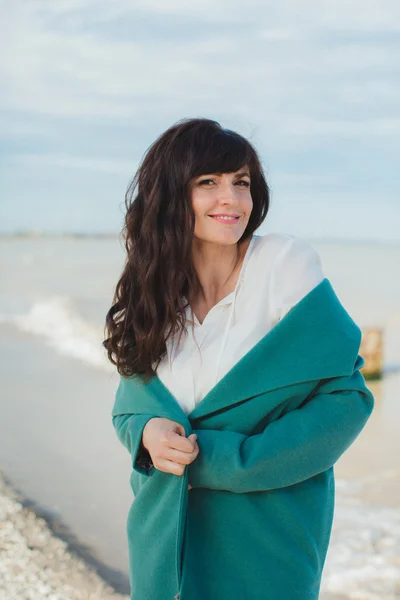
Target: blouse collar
(231,297)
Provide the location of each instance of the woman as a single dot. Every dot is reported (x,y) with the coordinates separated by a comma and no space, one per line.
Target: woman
(240,380)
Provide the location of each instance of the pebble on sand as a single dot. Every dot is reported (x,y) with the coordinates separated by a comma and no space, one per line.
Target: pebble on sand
(37,565)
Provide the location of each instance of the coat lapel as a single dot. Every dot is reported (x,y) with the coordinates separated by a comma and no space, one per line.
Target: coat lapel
(316,339)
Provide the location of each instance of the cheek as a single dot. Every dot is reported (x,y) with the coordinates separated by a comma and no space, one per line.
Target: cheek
(202,202)
(246,201)
(195,202)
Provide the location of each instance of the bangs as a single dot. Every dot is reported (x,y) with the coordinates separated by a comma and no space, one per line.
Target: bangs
(221,151)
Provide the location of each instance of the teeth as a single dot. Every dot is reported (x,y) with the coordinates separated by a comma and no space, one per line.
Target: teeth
(226,218)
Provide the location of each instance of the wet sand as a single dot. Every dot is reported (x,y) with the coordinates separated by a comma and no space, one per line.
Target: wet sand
(37,565)
(58,448)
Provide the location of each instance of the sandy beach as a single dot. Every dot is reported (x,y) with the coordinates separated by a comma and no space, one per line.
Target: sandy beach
(35,564)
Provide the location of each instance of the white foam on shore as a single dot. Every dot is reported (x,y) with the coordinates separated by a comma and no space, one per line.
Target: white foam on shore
(364,551)
(56,320)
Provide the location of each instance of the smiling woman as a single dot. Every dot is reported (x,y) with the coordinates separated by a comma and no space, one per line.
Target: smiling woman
(177,253)
(234,428)
(209,191)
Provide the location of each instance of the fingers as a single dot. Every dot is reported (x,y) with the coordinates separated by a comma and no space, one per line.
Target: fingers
(176,450)
(178,428)
(179,442)
(168,466)
(184,458)
(175,461)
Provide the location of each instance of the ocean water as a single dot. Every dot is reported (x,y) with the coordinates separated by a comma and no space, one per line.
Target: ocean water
(56,440)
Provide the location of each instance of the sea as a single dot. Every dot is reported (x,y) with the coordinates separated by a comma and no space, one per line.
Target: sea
(57,444)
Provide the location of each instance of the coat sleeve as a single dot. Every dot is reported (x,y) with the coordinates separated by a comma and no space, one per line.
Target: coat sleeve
(129,429)
(295,447)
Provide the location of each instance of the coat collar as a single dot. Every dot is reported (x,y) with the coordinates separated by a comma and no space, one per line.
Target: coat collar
(316,339)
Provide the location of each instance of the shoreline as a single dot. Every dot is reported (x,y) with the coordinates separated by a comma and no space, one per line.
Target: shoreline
(41,560)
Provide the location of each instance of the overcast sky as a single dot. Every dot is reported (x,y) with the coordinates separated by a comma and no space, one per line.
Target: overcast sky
(87,85)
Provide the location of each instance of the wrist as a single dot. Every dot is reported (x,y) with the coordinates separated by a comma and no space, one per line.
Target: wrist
(144,436)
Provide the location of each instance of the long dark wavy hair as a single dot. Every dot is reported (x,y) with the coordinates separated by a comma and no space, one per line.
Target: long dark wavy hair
(148,305)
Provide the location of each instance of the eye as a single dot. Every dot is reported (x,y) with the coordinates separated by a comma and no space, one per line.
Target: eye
(205,181)
(244,182)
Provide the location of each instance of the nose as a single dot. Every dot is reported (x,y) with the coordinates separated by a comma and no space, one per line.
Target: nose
(226,192)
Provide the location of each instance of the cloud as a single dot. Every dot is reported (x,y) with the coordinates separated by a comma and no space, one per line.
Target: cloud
(342,128)
(278,54)
(292,179)
(24,162)
(334,15)
(86,84)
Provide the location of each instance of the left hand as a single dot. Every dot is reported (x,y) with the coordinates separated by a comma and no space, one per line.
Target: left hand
(189,486)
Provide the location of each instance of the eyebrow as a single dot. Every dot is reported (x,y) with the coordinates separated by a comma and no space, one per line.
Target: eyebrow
(237,176)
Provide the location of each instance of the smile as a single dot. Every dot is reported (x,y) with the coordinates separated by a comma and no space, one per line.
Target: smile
(226,219)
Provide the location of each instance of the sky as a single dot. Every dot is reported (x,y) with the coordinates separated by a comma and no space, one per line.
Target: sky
(87,85)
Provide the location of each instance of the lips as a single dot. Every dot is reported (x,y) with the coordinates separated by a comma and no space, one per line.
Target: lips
(229,221)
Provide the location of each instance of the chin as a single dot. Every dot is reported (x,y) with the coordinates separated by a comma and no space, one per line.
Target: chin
(228,238)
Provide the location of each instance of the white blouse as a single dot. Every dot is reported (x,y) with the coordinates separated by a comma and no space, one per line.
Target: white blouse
(278,270)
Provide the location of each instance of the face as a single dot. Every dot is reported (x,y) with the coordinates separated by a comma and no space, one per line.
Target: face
(221,194)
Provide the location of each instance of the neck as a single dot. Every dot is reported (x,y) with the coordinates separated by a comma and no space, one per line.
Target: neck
(217,267)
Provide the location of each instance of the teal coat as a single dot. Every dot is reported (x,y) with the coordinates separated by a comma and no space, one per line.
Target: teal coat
(257,523)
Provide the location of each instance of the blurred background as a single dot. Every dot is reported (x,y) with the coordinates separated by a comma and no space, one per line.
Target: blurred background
(86,87)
